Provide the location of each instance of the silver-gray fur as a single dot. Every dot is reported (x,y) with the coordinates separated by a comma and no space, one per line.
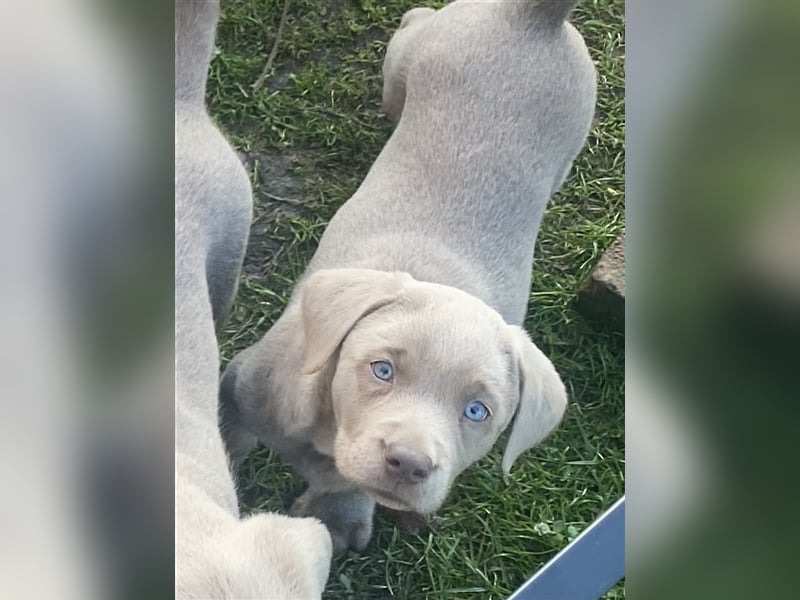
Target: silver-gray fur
(431,258)
(497,115)
(217,555)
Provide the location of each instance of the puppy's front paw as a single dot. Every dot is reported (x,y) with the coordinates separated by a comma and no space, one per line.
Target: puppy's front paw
(347,515)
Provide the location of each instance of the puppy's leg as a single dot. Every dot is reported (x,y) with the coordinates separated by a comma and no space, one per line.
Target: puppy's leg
(347,515)
(346,511)
(225,263)
(239,440)
(222,287)
(398,59)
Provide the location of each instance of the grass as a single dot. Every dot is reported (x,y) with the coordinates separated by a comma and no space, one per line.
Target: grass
(308,137)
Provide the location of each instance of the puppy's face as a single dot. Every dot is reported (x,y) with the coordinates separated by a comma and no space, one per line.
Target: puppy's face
(423,387)
(425,378)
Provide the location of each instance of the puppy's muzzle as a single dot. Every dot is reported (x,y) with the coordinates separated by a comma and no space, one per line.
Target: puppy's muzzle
(404,465)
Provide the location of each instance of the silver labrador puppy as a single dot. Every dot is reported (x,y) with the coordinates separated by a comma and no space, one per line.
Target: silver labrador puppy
(400,358)
(217,555)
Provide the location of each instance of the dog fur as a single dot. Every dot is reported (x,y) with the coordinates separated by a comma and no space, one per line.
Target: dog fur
(427,267)
(217,554)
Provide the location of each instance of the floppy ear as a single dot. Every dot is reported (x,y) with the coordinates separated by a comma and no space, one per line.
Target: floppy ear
(542,399)
(334,300)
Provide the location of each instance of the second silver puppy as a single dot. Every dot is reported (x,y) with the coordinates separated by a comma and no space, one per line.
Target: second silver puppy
(400,358)
(217,553)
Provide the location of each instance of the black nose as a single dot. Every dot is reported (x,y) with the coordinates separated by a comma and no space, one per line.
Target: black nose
(406,464)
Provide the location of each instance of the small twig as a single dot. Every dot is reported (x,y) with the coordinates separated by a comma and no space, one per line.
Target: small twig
(272,53)
(281,199)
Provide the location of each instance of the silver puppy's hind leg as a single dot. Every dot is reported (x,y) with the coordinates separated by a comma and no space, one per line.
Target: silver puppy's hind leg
(239,441)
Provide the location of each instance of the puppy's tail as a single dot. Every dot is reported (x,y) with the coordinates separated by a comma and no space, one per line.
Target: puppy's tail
(550,12)
(195,25)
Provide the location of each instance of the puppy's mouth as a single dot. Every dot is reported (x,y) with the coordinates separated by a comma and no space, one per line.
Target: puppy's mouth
(388,499)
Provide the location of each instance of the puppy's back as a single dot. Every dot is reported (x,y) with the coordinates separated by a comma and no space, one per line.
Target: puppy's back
(497,100)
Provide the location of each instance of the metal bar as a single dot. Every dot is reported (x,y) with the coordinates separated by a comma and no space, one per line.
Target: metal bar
(588,567)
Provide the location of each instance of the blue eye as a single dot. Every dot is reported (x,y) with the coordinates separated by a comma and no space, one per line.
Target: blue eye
(382,369)
(476,411)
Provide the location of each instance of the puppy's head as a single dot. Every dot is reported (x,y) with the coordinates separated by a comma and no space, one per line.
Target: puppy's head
(425,379)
